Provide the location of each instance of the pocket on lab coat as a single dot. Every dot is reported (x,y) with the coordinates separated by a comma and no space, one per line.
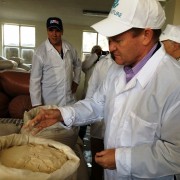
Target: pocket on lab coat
(137,131)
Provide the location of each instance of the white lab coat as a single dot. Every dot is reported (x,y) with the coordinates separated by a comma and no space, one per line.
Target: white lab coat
(142,119)
(52,76)
(88,67)
(97,77)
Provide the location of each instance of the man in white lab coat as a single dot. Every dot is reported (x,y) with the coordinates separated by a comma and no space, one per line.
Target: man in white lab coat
(139,99)
(56,69)
(89,63)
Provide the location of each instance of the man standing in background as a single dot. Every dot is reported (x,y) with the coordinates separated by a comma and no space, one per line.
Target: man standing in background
(56,69)
(87,67)
(89,64)
(170,37)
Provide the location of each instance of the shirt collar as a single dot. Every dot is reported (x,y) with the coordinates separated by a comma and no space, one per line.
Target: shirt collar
(131,72)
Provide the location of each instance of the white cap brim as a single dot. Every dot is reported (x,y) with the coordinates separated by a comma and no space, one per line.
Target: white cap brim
(165,37)
(109,28)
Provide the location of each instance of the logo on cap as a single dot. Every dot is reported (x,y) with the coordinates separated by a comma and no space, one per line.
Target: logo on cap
(115,4)
(115,12)
(54,21)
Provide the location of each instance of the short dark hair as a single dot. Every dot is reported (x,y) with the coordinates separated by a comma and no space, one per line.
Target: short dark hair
(138,31)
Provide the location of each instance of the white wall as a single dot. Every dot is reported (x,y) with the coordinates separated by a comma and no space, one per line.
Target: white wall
(176,20)
(172,10)
(169,10)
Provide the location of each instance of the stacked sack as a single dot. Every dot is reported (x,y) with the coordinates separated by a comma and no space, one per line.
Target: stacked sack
(14,94)
(14,63)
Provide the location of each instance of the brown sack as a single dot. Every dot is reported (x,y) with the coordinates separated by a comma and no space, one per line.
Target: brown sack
(15,83)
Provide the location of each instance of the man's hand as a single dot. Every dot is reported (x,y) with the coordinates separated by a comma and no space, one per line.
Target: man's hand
(45,118)
(106,159)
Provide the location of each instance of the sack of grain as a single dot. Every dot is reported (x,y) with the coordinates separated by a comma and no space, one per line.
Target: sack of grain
(27,157)
(57,132)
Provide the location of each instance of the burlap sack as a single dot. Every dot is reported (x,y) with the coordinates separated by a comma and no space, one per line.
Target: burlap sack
(10,126)
(56,132)
(66,172)
(5,64)
(15,83)
(2,58)
(18,60)
(19,105)
(24,66)
(15,65)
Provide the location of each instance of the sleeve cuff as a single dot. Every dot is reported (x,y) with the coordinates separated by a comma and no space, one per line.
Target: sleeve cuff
(68,115)
(123,161)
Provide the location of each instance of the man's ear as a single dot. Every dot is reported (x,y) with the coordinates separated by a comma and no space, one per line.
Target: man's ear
(147,36)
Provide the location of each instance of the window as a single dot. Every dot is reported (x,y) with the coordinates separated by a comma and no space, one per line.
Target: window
(18,41)
(91,39)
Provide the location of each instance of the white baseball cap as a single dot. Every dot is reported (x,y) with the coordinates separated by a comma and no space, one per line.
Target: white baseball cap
(172,33)
(126,14)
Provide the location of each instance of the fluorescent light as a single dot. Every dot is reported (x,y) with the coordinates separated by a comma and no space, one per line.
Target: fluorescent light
(95,13)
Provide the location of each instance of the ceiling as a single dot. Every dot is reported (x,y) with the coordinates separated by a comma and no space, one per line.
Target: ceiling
(70,11)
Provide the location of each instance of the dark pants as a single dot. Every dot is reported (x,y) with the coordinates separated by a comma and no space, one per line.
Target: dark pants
(82,131)
(97,171)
